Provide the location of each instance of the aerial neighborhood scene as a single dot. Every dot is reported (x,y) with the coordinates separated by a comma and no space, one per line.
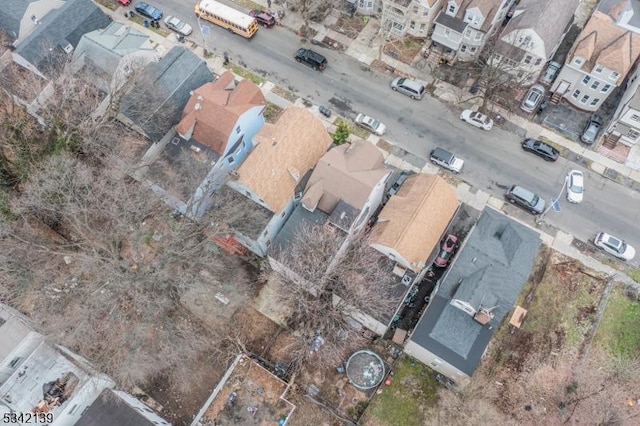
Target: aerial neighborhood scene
(319,212)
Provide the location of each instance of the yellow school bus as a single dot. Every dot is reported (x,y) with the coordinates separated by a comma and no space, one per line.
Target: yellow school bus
(227,17)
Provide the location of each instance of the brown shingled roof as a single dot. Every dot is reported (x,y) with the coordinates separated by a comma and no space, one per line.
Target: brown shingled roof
(348,172)
(214,108)
(414,219)
(603,42)
(286,151)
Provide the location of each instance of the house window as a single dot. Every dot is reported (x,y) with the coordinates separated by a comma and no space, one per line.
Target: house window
(230,160)
(633,134)
(578,61)
(520,74)
(436,362)
(73,409)
(15,362)
(447,32)
(595,85)
(614,75)
(425,11)
(238,129)
(635,117)
(284,213)
(595,101)
(528,59)
(497,57)
(478,37)
(413,25)
(451,9)
(538,61)
(598,69)
(584,99)
(463,48)
(586,79)
(473,49)
(423,27)
(415,9)
(605,88)
(467,33)
(576,94)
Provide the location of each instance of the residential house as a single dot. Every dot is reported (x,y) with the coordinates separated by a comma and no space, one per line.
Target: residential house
(155,102)
(54,381)
(463,27)
(624,127)
(411,224)
(45,33)
(602,55)
(365,7)
(474,296)
(17,341)
(114,407)
(275,169)
(111,55)
(532,36)
(409,17)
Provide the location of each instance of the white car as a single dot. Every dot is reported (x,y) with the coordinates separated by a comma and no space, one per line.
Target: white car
(476,119)
(371,124)
(177,25)
(614,246)
(575,186)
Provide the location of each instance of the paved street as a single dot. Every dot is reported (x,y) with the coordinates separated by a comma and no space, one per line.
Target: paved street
(494,160)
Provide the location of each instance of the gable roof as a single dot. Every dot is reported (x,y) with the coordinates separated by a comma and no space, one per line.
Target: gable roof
(603,42)
(624,12)
(156,100)
(284,153)
(490,270)
(548,18)
(105,48)
(11,14)
(45,45)
(488,8)
(348,172)
(110,409)
(214,109)
(414,219)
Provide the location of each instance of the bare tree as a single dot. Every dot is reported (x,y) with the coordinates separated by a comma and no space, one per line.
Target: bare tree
(311,10)
(323,286)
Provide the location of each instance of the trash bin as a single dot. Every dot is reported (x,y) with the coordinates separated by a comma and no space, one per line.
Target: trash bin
(474,88)
(145,23)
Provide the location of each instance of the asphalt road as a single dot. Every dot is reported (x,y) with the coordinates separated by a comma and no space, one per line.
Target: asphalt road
(493,160)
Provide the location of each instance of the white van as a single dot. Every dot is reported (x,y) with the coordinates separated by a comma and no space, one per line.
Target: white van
(408,87)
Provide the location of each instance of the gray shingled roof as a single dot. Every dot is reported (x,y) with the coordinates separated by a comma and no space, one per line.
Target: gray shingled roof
(615,8)
(548,18)
(109,410)
(490,270)
(156,102)
(58,29)
(11,14)
(449,21)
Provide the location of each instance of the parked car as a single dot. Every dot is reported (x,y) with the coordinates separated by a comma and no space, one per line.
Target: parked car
(124,2)
(448,248)
(551,72)
(398,183)
(311,58)
(177,25)
(534,96)
(540,149)
(525,199)
(575,186)
(411,88)
(592,129)
(371,124)
(148,11)
(614,246)
(447,160)
(476,119)
(264,18)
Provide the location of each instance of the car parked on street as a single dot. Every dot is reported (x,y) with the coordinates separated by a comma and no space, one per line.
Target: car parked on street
(526,199)
(371,124)
(476,119)
(614,246)
(540,149)
(124,2)
(534,96)
(575,186)
(551,72)
(447,160)
(448,248)
(592,129)
(411,88)
(177,25)
(264,18)
(311,58)
(148,11)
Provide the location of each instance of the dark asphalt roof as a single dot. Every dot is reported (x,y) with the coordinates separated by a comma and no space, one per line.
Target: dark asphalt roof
(109,410)
(59,28)
(343,215)
(452,22)
(11,14)
(490,271)
(156,101)
(300,218)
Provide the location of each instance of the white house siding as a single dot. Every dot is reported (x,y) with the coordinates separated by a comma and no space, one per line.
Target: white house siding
(535,48)
(624,123)
(25,348)
(392,254)
(446,37)
(423,355)
(586,96)
(273,227)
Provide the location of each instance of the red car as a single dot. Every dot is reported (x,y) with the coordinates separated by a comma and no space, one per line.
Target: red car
(447,250)
(124,2)
(264,18)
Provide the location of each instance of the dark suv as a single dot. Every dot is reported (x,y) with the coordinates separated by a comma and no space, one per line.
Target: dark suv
(311,58)
(264,18)
(525,199)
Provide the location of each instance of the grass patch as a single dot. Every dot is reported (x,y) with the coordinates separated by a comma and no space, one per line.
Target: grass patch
(139,20)
(109,4)
(244,73)
(619,330)
(634,274)
(284,94)
(272,112)
(413,389)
